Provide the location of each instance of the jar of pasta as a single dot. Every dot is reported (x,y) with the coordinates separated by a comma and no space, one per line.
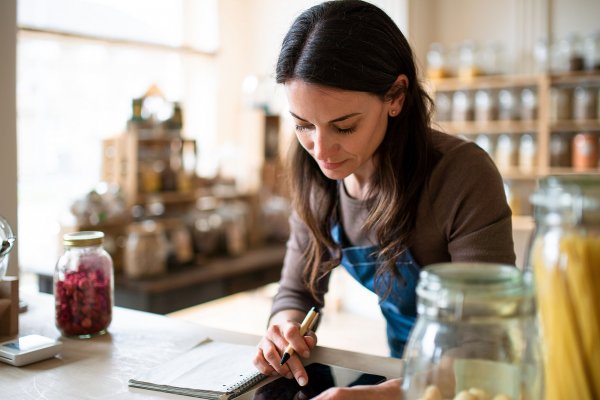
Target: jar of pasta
(83,286)
(564,256)
(475,335)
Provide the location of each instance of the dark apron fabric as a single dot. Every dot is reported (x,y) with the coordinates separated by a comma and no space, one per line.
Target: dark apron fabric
(399,307)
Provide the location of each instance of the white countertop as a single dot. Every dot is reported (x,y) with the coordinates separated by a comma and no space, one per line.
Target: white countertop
(99,368)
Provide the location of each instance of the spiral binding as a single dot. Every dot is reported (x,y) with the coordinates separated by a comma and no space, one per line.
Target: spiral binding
(244,384)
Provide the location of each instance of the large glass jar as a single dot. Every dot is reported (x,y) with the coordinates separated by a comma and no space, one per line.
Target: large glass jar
(565,257)
(83,286)
(475,335)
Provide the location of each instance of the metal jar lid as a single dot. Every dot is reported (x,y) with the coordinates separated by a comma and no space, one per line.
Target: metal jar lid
(83,239)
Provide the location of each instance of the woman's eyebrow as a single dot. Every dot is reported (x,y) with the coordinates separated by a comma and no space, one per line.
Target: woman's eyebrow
(342,118)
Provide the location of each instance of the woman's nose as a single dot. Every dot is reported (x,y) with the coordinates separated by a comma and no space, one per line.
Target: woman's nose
(323,145)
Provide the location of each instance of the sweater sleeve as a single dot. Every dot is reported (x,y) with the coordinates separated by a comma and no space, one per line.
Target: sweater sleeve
(470,207)
(293,292)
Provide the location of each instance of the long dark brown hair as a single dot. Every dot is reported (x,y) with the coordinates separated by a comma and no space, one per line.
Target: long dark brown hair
(353,45)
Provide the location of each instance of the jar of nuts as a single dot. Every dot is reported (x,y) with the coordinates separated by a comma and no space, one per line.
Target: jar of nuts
(475,336)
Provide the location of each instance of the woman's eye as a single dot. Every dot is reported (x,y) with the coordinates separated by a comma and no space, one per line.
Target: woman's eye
(303,128)
(345,131)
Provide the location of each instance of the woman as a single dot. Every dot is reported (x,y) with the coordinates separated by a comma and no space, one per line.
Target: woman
(374,188)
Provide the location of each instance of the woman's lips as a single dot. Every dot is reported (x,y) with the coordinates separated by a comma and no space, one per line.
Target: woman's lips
(330,165)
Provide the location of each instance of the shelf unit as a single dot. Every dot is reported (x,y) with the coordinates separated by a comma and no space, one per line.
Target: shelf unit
(128,161)
(542,127)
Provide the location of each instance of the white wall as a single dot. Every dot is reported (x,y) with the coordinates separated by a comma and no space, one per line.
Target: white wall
(8,120)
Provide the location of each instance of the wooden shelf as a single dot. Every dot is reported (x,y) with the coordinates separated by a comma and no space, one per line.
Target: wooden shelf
(484,82)
(573,126)
(574,78)
(172,197)
(543,127)
(489,127)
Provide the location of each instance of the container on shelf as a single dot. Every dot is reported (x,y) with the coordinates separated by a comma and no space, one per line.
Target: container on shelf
(507,152)
(585,151)
(561,103)
(145,250)
(443,106)
(436,61)
(560,149)
(529,104)
(475,335)
(527,153)
(83,286)
(508,105)
(591,51)
(467,60)
(564,256)
(462,106)
(584,103)
(486,143)
(485,106)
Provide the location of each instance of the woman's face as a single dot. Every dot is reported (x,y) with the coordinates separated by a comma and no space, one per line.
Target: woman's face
(340,129)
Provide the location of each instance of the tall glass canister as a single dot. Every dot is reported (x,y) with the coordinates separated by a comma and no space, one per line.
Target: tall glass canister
(83,286)
(475,335)
(565,257)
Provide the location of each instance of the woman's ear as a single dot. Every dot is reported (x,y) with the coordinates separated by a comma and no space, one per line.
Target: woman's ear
(395,95)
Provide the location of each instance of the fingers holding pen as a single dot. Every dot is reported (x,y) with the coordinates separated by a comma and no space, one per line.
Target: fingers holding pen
(268,357)
(296,339)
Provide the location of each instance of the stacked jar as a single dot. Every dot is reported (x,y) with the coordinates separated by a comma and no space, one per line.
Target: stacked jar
(565,255)
(83,286)
(475,335)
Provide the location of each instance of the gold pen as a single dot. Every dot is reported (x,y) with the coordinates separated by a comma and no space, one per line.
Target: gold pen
(306,325)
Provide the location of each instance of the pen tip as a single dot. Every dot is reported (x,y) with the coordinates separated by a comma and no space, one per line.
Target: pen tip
(284,359)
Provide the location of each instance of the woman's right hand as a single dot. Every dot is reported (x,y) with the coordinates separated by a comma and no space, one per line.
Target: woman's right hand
(284,329)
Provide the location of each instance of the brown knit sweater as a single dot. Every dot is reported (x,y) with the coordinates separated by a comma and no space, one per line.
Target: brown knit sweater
(463,216)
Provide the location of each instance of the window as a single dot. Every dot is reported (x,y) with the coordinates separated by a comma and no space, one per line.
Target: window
(79,65)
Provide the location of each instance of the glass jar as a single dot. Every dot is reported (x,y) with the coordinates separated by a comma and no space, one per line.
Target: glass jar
(145,250)
(436,61)
(585,151)
(508,107)
(561,103)
(443,106)
(507,152)
(560,149)
(485,106)
(564,256)
(462,106)
(584,103)
(475,333)
(83,286)
(529,104)
(592,51)
(527,153)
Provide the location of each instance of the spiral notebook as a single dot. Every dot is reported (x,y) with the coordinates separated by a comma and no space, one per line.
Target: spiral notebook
(210,370)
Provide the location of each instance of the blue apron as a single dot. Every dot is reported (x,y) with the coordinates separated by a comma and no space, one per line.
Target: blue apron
(399,307)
